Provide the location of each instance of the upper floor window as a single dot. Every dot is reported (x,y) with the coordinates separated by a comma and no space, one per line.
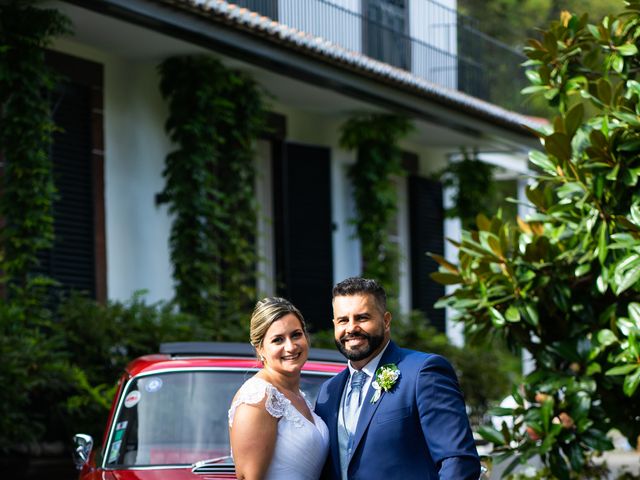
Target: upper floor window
(385,32)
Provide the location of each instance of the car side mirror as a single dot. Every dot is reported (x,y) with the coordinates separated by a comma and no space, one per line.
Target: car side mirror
(82,445)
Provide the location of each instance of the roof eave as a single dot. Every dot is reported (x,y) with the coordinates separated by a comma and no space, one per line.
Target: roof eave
(245,35)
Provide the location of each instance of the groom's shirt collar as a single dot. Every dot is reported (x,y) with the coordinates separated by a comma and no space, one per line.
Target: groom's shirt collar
(370,368)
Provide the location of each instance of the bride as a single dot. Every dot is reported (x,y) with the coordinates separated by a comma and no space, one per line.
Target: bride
(274,432)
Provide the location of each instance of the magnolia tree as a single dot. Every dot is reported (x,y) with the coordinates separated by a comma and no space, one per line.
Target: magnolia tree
(564,283)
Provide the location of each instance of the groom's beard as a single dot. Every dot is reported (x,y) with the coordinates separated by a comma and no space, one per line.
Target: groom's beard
(373,342)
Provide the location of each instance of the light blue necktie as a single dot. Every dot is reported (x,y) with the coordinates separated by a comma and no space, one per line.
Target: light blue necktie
(352,404)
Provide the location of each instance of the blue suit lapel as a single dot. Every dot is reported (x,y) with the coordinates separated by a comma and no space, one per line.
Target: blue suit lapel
(391,355)
(334,391)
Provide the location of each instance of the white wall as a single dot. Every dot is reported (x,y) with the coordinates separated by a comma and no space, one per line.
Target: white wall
(135,148)
(404,246)
(347,255)
(265,244)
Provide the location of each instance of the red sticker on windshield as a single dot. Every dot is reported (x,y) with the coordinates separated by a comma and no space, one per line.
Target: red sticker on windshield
(132,399)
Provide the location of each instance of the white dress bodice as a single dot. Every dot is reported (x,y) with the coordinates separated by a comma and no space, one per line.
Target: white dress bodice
(301,446)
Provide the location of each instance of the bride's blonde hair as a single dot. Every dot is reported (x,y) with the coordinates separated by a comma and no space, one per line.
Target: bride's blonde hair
(267,311)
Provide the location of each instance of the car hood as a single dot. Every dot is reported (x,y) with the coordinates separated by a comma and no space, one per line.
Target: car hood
(164,474)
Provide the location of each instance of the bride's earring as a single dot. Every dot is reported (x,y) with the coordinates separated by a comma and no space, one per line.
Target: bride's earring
(261,358)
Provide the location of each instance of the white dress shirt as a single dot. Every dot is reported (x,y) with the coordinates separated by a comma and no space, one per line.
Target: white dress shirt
(343,436)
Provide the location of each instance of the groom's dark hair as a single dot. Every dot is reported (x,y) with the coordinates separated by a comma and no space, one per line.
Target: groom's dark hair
(359,286)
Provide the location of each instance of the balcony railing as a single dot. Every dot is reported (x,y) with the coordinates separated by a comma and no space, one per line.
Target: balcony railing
(424,37)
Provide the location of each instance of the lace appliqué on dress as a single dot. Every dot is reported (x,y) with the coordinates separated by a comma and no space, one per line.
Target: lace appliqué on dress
(278,406)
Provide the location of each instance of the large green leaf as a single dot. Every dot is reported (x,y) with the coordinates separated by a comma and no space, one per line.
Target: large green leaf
(617,62)
(621,370)
(603,242)
(546,410)
(627,273)
(604,90)
(512,314)
(559,145)
(627,50)
(634,312)
(491,434)
(541,160)
(606,337)
(446,278)
(632,120)
(576,457)
(597,440)
(631,382)
(573,119)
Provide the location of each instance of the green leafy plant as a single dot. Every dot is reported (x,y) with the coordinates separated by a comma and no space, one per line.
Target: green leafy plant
(565,283)
(34,370)
(474,187)
(101,339)
(60,375)
(26,131)
(215,117)
(375,138)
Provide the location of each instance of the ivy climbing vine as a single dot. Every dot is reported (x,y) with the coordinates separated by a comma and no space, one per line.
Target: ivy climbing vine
(26,131)
(474,186)
(33,371)
(215,117)
(375,137)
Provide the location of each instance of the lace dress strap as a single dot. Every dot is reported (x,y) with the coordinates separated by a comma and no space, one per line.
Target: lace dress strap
(306,400)
(253,391)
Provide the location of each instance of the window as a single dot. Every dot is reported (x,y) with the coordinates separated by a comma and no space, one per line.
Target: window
(385,32)
(426,215)
(303,230)
(77,258)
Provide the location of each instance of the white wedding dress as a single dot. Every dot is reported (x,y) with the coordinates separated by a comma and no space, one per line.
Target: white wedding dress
(301,446)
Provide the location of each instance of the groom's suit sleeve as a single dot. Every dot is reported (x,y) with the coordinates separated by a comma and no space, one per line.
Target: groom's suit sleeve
(444,421)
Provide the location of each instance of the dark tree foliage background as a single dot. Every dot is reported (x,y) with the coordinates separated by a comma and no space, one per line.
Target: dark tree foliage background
(515,21)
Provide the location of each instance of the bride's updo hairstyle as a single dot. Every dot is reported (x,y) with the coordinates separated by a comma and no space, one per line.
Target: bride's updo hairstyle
(267,311)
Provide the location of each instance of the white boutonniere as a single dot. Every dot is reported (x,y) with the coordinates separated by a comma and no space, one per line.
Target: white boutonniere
(386,377)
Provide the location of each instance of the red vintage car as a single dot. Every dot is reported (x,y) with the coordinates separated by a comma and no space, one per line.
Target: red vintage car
(169,420)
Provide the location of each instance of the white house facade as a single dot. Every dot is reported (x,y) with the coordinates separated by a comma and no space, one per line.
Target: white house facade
(318,73)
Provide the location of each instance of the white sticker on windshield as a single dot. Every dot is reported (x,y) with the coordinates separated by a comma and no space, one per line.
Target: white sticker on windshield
(132,399)
(115,451)
(153,384)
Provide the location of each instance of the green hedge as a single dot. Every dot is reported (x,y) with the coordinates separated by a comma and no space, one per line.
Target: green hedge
(59,370)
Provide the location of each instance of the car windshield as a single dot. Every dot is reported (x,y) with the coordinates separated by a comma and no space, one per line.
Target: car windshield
(177,418)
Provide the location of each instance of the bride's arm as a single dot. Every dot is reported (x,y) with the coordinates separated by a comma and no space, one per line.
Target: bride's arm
(253,438)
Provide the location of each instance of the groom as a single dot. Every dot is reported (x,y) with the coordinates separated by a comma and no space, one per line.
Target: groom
(393,413)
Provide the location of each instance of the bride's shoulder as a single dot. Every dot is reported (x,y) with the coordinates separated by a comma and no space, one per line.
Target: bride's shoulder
(260,393)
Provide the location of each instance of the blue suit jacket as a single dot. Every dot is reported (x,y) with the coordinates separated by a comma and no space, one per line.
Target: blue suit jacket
(418,429)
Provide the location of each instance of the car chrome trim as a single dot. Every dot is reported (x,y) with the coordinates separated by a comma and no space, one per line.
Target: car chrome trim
(83,444)
(185,466)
